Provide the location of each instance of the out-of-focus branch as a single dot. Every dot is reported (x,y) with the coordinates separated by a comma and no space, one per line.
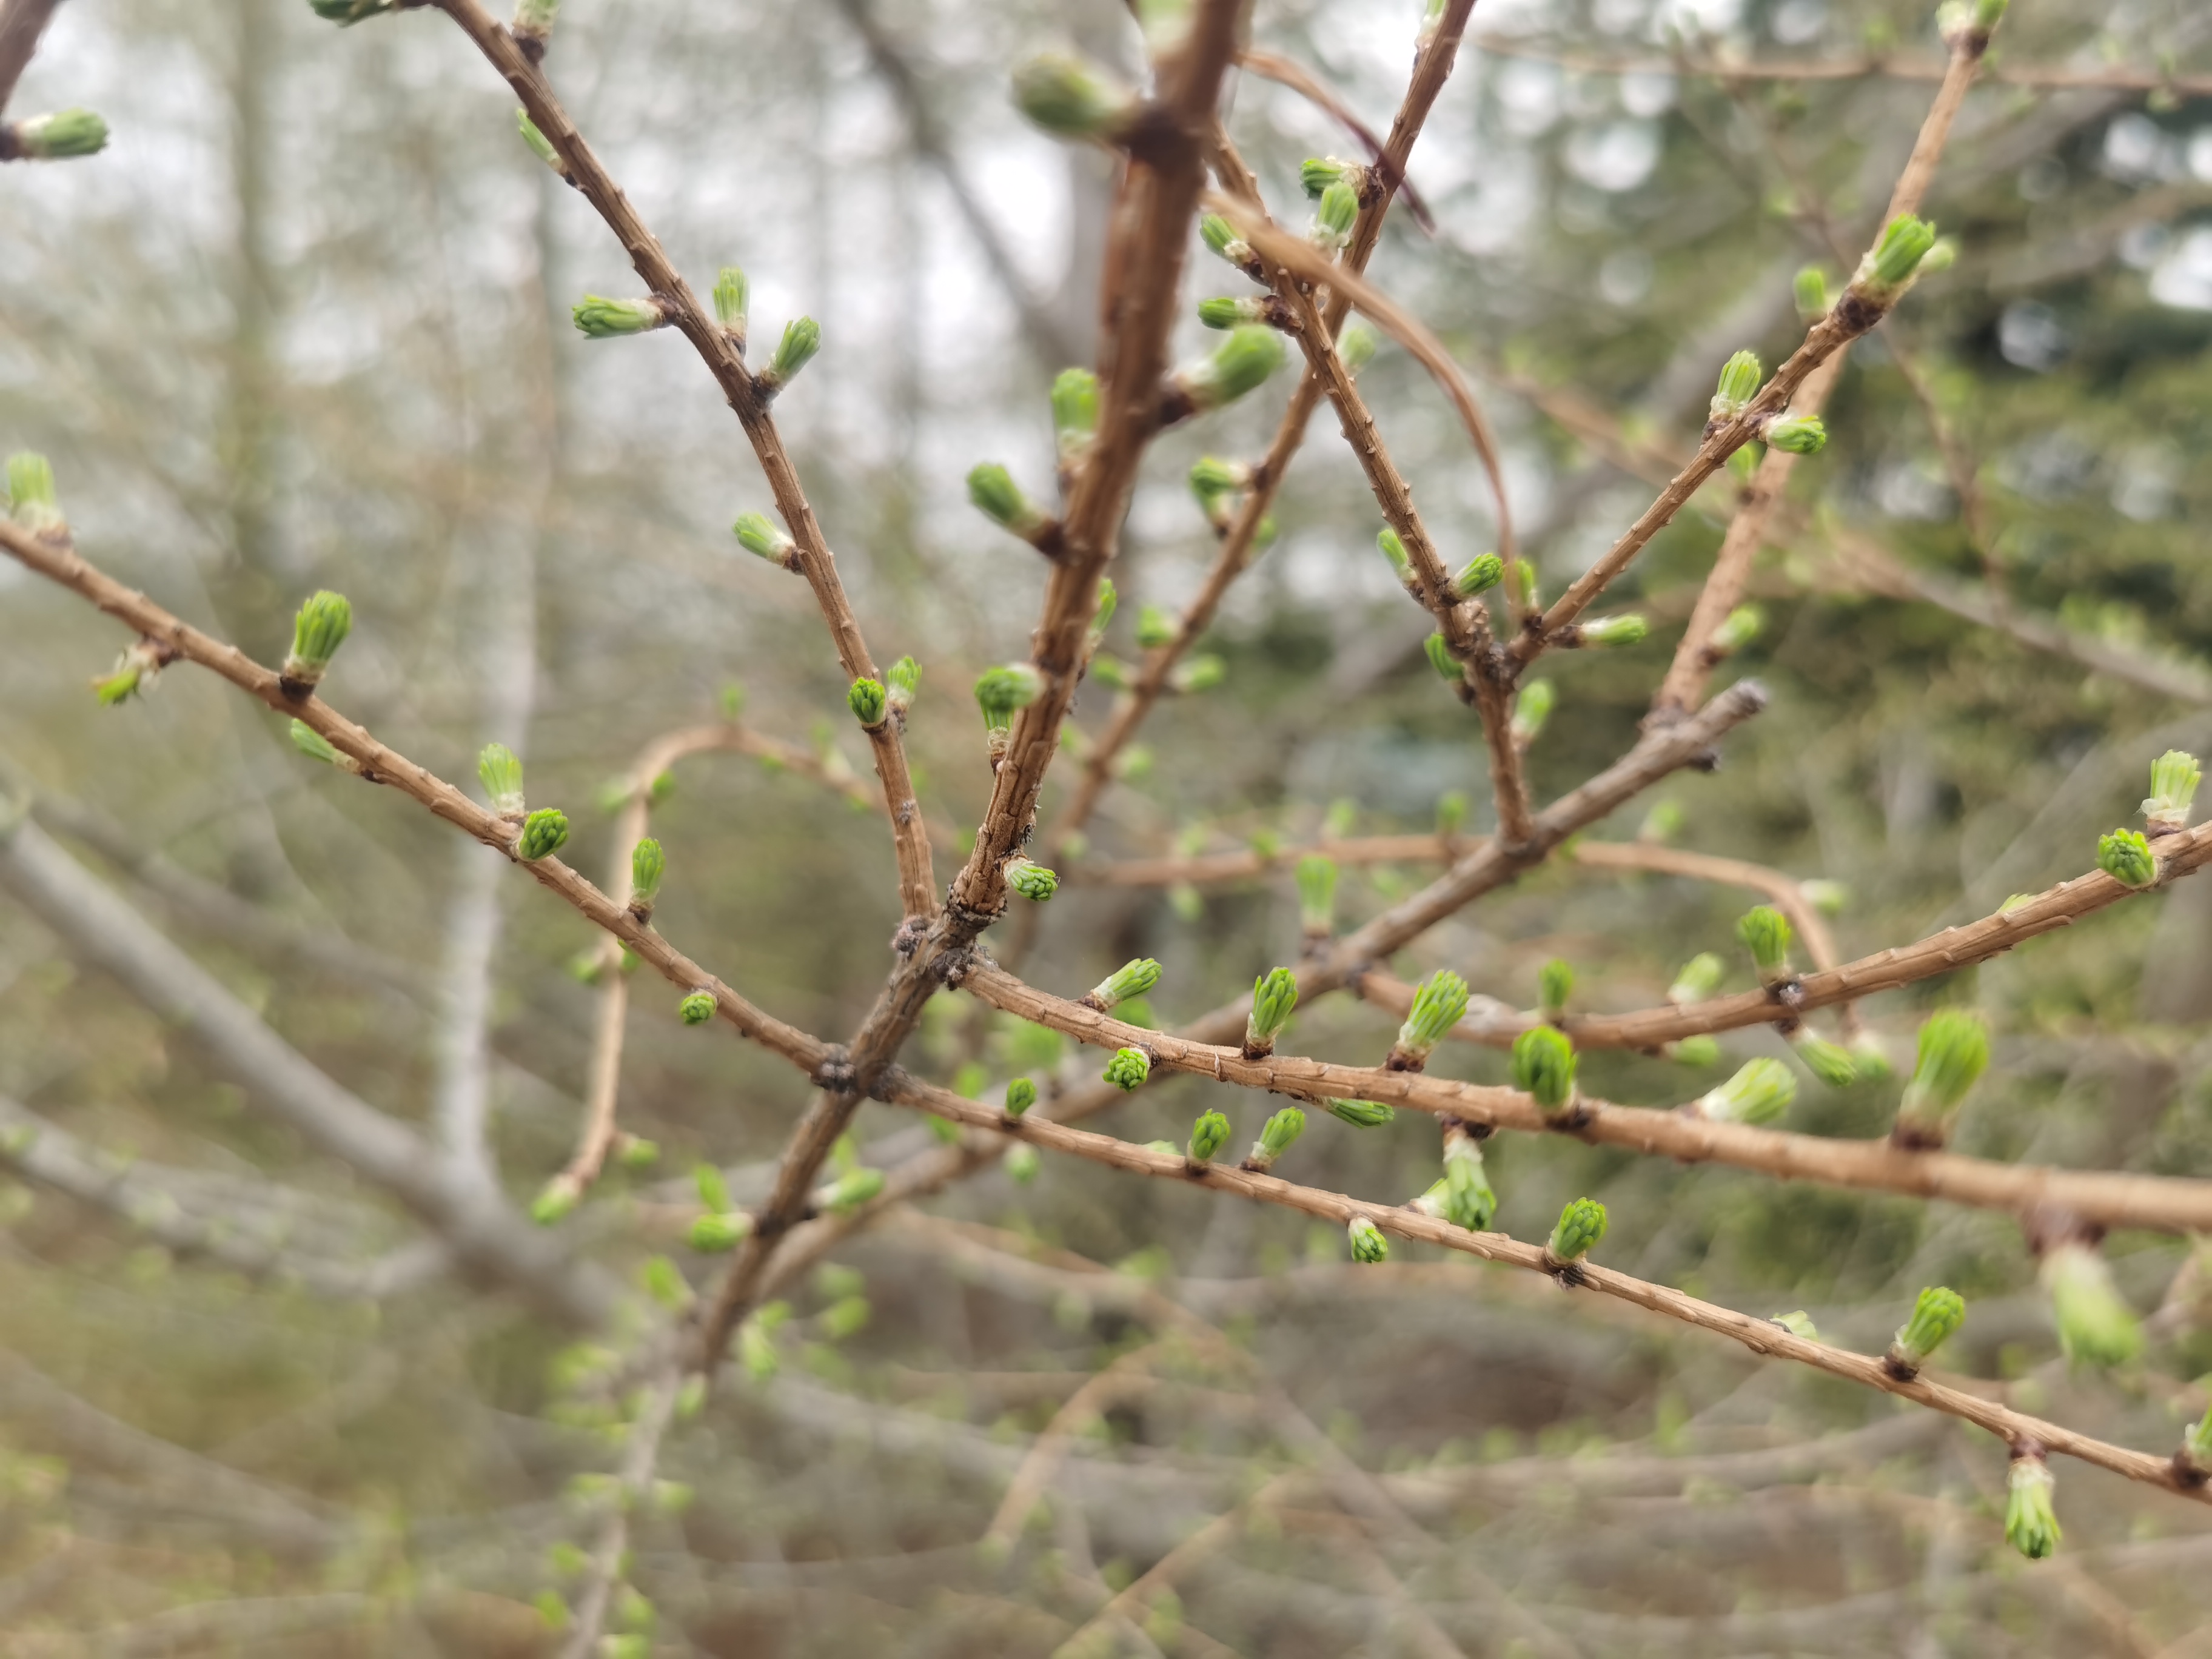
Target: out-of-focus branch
(21,23)
(632,1493)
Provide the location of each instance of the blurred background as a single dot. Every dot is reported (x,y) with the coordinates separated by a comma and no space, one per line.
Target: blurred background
(304,324)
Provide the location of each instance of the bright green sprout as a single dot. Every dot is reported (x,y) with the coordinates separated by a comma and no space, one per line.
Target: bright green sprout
(713,1234)
(1207,1137)
(1128,1069)
(1468,1199)
(1831,1063)
(1828,897)
(1317,172)
(1741,377)
(1000,499)
(1236,366)
(545,832)
(732,300)
(2125,856)
(1201,672)
(1067,97)
(868,700)
(1229,312)
(849,1191)
(1798,1324)
(1132,979)
(1937,1316)
(1212,480)
(697,1008)
(1532,706)
(1074,411)
(501,770)
(1274,994)
(2096,1326)
(1363,1113)
(1022,1163)
(1032,881)
(2196,1441)
(1759,1092)
(648,865)
(1544,1067)
(1663,823)
(1810,290)
(1484,572)
(1696,980)
(1021,1095)
(1276,1138)
(1625,629)
(311,743)
(2031,1520)
(1441,658)
(1357,346)
(1394,551)
(1581,1225)
(1555,983)
(802,338)
(1102,618)
(1437,1006)
(1221,237)
(1737,629)
(1368,1244)
(663,1283)
(1954,1052)
(1156,628)
(714,1191)
(1796,434)
(534,18)
(1891,264)
(32,501)
(1766,933)
(65,136)
(2174,776)
(637,1153)
(540,145)
(318,631)
(599,318)
(1316,895)
(760,535)
(554,1203)
(1696,1050)
(1333,220)
(904,681)
(1000,691)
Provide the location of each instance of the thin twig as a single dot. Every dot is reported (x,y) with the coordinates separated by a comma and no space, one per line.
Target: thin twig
(21,23)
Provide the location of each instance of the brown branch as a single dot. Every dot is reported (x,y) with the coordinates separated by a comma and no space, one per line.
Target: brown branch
(21,23)
(723,357)
(1287,72)
(1760,1336)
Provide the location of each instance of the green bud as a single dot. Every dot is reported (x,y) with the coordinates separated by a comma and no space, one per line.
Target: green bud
(1156,628)
(1368,1244)
(1954,1052)
(545,832)
(1697,1050)
(1274,994)
(1828,897)
(1798,1324)
(1759,1092)
(2174,776)
(1614,630)
(802,338)
(1341,818)
(1022,1161)
(1316,895)
(1067,97)
(756,1349)
(1696,980)
(1110,671)
(1074,410)
(1796,434)
(1437,1006)
(1201,672)
(554,1202)
(1544,1067)
(1000,691)
(849,1191)
(1000,499)
(1131,979)
(1895,260)
(637,1153)
(1741,377)
(904,681)
(32,501)
(552,1611)
(697,1008)
(1236,366)
(1737,629)
(1334,218)
(868,700)
(2031,1519)
(1229,312)
(664,1282)
(1521,584)
(1939,258)
(62,137)
(1277,1136)
(1212,479)
(714,1191)
(732,298)
(1394,551)
(713,1234)
(1208,1136)
(318,631)
(2125,856)
(1869,1056)
(1441,658)
(1532,706)
(1032,881)
(501,770)
(1484,572)
(1101,616)
(1810,290)
(2096,1326)
(310,742)
(1317,172)
(1128,1069)
(1582,1225)
(1766,933)
(1021,1095)
(1164,1148)
(1451,813)
(1935,1319)
(1363,1113)
(647,864)
(540,145)
(1221,237)
(1468,1202)
(1357,346)
(1831,1063)
(1555,983)
(762,537)
(601,319)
